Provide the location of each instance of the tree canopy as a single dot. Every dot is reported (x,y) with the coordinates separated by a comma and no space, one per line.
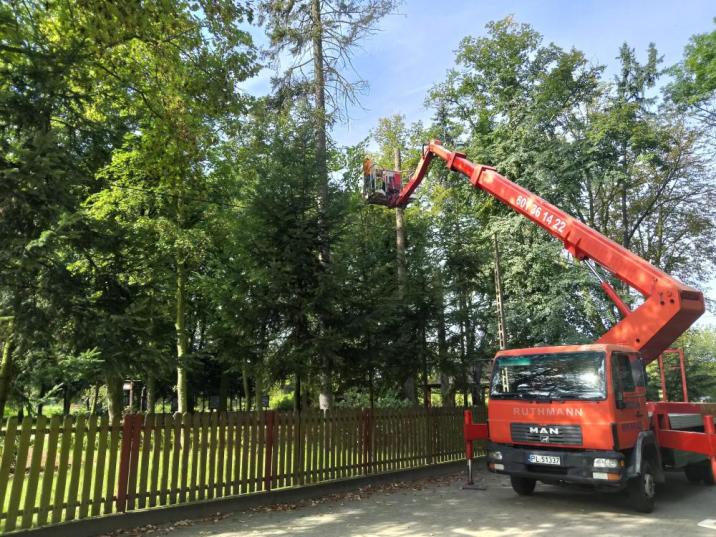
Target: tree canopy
(163,228)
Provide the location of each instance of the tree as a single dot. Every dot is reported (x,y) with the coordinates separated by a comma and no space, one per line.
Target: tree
(699,346)
(510,103)
(57,129)
(391,136)
(646,169)
(288,296)
(183,89)
(606,153)
(694,82)
(82,80)
(321,36)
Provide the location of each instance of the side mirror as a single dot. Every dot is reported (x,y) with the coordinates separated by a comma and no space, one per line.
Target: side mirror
(620,399)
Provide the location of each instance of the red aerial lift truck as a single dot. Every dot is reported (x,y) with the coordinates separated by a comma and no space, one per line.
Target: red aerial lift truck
(578,414)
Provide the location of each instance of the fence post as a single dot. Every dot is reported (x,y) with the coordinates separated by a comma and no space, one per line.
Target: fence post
(137,427)
(269,420)
(124,455)
(366,419)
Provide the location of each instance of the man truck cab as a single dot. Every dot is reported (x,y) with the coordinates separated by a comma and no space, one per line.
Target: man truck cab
(572,414)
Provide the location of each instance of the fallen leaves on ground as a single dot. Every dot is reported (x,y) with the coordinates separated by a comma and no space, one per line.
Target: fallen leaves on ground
(361,493)
(150,529)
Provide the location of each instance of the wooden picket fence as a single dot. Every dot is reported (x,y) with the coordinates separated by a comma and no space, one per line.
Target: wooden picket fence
(63,468)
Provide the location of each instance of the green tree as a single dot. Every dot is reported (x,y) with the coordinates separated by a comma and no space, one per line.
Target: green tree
(183,89)
(513,103)
(321,36)
(76,83)
(699,346)
(694,84)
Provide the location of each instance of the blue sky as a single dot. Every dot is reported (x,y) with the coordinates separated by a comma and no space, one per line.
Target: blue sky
(413,49)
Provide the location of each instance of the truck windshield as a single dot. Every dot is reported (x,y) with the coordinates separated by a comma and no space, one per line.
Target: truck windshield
(558,376)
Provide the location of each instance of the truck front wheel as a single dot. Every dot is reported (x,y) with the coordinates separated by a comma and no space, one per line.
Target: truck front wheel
(642,489)
(524,486)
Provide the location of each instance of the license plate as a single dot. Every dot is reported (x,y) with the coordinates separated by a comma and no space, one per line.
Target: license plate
(534,458)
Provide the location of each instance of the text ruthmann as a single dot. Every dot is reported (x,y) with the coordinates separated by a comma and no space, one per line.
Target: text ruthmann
(547,411)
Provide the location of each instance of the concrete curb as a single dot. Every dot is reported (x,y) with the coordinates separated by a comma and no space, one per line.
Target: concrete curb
(162,515)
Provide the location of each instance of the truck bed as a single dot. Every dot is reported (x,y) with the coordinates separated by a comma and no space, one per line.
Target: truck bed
(684,433)
(686,422)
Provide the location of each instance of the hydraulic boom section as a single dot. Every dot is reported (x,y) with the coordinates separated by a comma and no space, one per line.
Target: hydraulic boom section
(669,306)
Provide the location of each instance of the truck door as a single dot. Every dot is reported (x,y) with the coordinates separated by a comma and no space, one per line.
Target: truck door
(629,397)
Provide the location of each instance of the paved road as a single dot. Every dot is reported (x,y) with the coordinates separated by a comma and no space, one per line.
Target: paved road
(440,507)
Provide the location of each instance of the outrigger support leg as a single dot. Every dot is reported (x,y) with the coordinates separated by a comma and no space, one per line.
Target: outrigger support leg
(471,432)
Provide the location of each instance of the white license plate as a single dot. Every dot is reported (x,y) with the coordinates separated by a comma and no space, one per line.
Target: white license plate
(534,458)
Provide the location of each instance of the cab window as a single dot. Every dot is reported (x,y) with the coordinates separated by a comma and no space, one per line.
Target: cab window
(637,371)
(622,372)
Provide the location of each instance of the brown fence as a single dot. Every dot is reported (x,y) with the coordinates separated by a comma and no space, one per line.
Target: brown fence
(64,468)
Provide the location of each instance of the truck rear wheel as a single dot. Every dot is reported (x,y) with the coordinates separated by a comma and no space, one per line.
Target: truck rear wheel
(709,478)
(696,473)
(693,473)
(642,489)
(524,486)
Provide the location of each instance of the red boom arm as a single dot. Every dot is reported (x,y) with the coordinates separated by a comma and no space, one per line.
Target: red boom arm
(669,306)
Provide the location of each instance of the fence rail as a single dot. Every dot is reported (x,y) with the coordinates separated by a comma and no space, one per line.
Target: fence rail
(65,468)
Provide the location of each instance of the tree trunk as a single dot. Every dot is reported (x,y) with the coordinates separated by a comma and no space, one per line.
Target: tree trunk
(41,394)
(319,90)
(410,390)
(297,394)
(223,391)
(115,396)
(95,400)
(409,386)
(247,386)
(66,402)
(325,396)
(258,382)
(476,391)
(151,393)
(180,325)
(6,365)
(426,380)
(446,392)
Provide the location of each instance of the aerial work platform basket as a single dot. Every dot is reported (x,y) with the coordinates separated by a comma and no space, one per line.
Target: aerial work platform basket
(380,185)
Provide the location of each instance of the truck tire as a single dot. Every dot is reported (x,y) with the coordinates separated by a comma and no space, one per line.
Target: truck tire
(524,486)
(693,473)
(696,473)
(707,474)
(642,489)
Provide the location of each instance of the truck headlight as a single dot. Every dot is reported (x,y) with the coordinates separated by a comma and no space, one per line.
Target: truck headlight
(606,463)
(495,455)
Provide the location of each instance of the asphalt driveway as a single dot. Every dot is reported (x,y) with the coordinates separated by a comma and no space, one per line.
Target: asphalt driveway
(439,506)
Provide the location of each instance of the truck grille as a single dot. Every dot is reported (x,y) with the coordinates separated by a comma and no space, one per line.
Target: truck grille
(546,434)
